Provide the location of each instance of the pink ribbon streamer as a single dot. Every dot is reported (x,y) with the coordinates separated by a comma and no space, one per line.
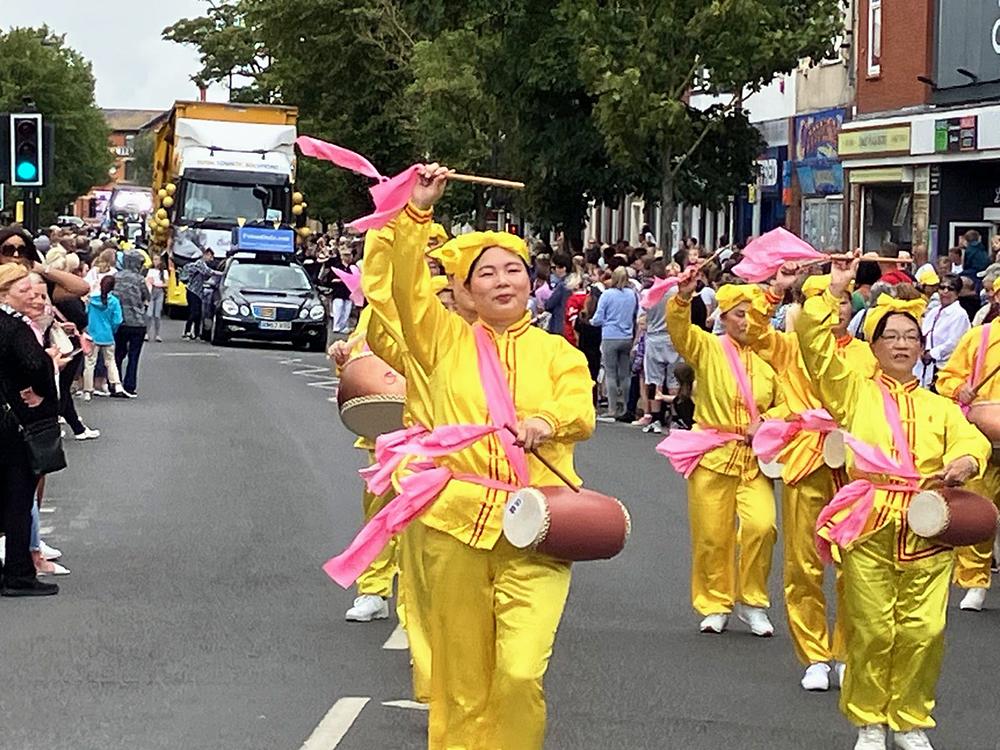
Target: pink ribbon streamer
(977,366)
(741,376)
(655,294)
(774,435)
(352,280)
(389,195)
(686,448)
(764,256)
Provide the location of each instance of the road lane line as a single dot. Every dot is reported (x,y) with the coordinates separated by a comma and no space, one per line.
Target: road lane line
(187,354)
(335,725)
(397,641)
(408,704)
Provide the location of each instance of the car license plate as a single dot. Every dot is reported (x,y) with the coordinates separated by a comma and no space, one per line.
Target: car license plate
(270,325)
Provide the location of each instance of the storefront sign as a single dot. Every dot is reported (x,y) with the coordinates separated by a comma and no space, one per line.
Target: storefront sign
(967,39)
(816,152)
(880,174)
(890,140)
(767,173)
(955,134)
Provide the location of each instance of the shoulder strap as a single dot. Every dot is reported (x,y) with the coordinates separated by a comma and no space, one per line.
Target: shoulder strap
(741,376)
(499,402)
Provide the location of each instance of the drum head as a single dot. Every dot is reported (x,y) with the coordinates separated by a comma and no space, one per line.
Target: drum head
(834,450)
(371,416)
(771,469)
(526,518)
(928,514)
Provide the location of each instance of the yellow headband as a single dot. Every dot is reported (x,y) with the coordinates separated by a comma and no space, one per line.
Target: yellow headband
(461,252)
(816,285)
(996,284)
(731,295)
(928,277)
(886,305)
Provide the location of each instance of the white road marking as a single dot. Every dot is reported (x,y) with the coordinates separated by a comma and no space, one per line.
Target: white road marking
(189,354)
(312,370)
(335,725)
(411,705)
(46,508)
(45,530)
(326,385)
(397,641)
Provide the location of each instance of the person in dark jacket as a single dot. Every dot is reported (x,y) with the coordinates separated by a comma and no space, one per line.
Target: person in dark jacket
(133,294)
(975,257)
(556,303)
(28,395)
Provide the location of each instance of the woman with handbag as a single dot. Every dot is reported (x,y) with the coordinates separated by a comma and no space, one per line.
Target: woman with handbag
(27,418)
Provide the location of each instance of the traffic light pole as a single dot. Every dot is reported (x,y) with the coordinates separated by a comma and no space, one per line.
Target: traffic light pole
(31,210)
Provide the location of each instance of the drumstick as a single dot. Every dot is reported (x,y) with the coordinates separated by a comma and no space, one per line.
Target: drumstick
(494,181)
(984,381)
(548,464)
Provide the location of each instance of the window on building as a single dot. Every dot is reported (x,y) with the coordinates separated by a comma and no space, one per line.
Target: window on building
(129,171)
(874,37)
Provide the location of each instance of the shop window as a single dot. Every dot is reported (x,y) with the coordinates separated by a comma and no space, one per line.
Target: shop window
(874,37)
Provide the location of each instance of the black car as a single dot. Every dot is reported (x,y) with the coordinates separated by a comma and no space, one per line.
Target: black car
(265,298)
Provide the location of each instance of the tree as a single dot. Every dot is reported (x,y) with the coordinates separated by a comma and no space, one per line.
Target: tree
(142,158)
(642,59)
(36,64)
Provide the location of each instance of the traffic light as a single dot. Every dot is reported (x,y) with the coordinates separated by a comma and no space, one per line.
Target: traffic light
(26,168)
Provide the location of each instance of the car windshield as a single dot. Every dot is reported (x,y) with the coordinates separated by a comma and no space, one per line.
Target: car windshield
(265,276)
(228,202)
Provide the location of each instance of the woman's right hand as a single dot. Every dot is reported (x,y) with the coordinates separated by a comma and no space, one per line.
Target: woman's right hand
(842,273)
(430,186)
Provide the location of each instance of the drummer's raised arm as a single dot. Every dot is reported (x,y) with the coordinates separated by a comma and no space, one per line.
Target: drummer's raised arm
(958,370)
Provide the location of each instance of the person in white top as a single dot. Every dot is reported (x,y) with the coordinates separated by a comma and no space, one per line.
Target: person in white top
(942,328)
(156,281)
(103,266)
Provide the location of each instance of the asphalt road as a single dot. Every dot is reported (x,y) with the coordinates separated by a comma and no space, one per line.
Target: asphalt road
(197,615)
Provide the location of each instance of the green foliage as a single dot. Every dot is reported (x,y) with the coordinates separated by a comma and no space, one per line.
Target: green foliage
(37,64)
(142,157)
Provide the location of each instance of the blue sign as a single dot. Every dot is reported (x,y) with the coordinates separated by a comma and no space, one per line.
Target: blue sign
(261,239)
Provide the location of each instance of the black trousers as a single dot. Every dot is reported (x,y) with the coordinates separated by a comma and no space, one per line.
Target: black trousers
(193,324)
(17,493)
(67,409)
(128,345)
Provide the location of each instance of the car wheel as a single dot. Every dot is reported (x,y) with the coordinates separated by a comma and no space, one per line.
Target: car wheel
(218,338)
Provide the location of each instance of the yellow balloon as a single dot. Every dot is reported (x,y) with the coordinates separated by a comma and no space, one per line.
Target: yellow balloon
(170,188)
(161,213)
(161,193)
(297,209)
(165,223)
(167,202)
(304,205)
(297,197)
(304,231)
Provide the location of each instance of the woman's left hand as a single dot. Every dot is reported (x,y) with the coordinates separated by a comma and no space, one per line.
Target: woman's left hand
(532,432)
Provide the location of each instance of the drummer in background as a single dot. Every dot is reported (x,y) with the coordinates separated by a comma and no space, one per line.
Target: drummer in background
(895,584)
(965,369)
(727,483)
(809,483)
(494,609)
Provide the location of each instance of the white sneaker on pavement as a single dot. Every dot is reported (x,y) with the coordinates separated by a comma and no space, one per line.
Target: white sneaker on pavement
(51,569)
(973,600)
(816,678)
(841,669)
(368,607)
(49,553)
(915,739)
(88,434)
(102,392)
(757,620)
(871,737)
(714,624)
(87,395)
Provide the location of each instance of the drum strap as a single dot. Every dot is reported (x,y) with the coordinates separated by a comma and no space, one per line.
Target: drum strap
(741,377)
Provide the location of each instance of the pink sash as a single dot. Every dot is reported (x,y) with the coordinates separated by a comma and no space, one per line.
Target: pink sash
(774,435)
(742,378)
(980,361)
(419,489)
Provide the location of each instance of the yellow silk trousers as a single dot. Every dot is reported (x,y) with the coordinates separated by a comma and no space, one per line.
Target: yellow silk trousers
(896,616)
(715,502)
(972,564)
(805,599)
(413,597)
(377,578)
(493,620)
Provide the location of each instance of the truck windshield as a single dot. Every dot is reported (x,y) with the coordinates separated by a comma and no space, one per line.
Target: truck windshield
(225,202)
(265,276)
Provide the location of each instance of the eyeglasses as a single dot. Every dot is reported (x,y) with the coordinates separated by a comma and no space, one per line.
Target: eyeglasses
(952,289)
(908,338)
(9,249)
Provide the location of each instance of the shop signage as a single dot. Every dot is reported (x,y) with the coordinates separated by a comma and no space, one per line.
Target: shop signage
(767,173)
(955,134)
(816,135)
(967,38)
(895,139)
(880,174)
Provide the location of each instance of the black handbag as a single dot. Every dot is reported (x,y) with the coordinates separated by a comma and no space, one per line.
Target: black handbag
(44,442)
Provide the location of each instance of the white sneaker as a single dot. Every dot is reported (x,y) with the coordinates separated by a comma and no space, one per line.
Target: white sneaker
(49,553)
(915,739)
(757,620)
(655,427)
(102,392)
(841,669)
(816,678)
(88,434)
(56,570)
(368,607)
(871,737)
(714,624)
(87,395)
(973,600)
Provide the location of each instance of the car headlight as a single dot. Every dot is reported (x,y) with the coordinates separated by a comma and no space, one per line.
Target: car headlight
(245,311)
(229,307)
(316,313)
(303,313)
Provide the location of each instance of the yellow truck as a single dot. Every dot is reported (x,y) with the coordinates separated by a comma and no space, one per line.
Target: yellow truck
(217,166)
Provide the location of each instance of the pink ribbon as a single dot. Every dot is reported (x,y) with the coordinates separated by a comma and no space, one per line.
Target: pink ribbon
(653,296)
(764,256)
(686,448)
(977,367)
(352,280)
(390,194)
(774,435)
(741,376)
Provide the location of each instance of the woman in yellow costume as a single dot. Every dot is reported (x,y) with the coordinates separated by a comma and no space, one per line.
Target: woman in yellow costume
(494,609)
(895,584)
(724,481)
(976,355)
(801,432)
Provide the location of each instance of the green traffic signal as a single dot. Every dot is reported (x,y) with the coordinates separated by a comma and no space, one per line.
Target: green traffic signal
(26,171)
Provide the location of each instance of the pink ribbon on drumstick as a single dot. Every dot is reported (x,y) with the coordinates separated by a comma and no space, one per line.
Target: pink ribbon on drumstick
(764,256)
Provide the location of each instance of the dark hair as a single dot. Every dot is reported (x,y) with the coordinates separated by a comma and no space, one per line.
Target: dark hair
(29,251)
(472,268)
(658,268)
(561,260)
(880,326)
(107,284)
(972,236)
(952,281)
(868,273)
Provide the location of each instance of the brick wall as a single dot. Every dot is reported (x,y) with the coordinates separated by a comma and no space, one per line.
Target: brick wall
(907,51)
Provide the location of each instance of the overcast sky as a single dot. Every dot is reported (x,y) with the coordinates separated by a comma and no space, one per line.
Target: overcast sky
(134,67)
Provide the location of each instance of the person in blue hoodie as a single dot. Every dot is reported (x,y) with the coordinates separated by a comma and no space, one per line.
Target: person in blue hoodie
(104,315)
(975,258)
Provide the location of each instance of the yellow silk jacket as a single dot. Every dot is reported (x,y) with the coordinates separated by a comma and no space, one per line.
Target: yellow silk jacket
(804,453)
(959,368)
(719,403)
(547,376)
(936,430)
